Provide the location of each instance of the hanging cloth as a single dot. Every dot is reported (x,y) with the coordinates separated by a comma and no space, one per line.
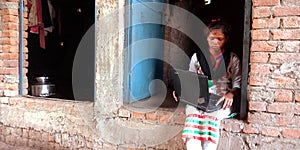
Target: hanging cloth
(40,24)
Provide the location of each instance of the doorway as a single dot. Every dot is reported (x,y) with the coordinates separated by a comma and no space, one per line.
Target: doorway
(206,12)
(239,18)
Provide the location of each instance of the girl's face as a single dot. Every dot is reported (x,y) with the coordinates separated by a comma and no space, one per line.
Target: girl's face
(216,40)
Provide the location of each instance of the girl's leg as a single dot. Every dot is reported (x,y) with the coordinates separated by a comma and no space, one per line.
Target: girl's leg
(193,144)
(207,145)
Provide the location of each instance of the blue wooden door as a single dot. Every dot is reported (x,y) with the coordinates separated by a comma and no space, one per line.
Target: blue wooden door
(146,49)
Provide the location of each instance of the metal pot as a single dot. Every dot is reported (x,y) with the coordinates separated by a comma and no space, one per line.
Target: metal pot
(43,90)
(43,87)
(43,80)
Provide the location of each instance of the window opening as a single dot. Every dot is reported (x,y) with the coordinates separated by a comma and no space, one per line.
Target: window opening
(51,49)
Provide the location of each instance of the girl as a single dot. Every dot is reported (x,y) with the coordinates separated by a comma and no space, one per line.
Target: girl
(201,129)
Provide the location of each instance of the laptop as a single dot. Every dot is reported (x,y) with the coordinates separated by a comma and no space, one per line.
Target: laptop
(192,88)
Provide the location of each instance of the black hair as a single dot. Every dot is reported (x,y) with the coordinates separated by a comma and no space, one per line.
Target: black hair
(220,24)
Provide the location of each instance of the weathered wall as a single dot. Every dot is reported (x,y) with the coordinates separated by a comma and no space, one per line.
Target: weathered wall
(274,94)
(9,48)
(273,118)
(274,75)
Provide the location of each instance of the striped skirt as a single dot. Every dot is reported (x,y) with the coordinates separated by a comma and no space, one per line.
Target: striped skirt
(201,127)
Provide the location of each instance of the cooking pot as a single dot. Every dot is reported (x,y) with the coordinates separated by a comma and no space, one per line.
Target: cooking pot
(43,90)
(42,80)
(43,87)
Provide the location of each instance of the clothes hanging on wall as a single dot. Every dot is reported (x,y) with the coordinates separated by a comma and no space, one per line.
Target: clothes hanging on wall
(40,18)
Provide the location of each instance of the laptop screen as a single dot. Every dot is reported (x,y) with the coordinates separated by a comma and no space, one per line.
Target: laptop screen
(190,86)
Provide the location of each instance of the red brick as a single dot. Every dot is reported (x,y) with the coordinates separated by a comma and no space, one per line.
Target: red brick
(25,133)
(25,50)
(9,71)
(16,132)
(291,22)
(286,11)
(137,115)
(266,23)
(280,108)
(152,116)
(12,86)
(9,56)
(260,118)
(13,101)
(288,46)
(10,33)
(31,104)
(9,12)
(25,14)
(297,96)
(9,139)
(257,106)
(51,137)
(280,58)
(283,82)
(261,12)
(285,34)
(12,0)
(9,41)
(250,129)
(10,26)
(297,109)
(283,95)
(265,2)
(10,18)
(232,125)
(261,34)
(10,49)
(7,130)
(259,57)
(270,131)
(291,133)
(257,80)
(10,63)
(263,46)
(165,116)
(260,69)
(291,2)
(296,121)
(283,120)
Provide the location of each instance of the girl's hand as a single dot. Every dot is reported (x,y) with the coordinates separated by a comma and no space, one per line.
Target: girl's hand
(175,97)
(228,100)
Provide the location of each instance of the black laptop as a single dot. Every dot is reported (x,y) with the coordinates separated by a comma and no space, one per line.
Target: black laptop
(192,88)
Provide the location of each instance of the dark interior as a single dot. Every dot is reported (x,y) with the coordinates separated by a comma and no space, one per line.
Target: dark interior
(71,21)
(232,11)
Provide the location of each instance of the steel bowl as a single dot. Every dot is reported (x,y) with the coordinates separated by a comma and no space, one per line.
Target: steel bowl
(44,90)
(43,80)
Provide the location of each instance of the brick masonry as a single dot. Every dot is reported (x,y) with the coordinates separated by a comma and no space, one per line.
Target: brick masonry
(273,93)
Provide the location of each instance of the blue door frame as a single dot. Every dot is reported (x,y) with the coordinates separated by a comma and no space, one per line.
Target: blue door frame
(145,51)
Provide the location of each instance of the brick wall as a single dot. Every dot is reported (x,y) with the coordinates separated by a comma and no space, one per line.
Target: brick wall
(274,72)
(273,117)
(9,48)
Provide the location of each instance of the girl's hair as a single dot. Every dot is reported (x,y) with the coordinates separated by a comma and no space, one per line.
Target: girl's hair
(219,24)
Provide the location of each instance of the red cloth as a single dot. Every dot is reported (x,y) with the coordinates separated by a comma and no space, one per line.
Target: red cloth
(41,24)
